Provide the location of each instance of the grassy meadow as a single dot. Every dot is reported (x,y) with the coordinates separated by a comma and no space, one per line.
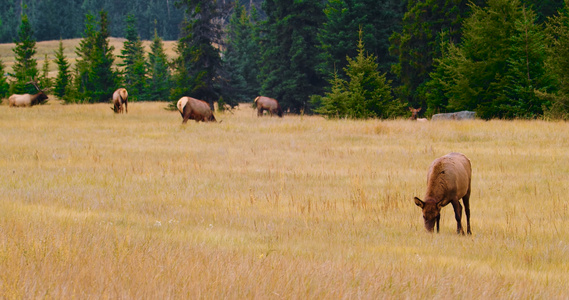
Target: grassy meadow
(97,205)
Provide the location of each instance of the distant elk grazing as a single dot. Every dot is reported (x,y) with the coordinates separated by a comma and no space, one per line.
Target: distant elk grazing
(415,114)
(191,108)
(269,104)
(27,99)
(120,98)
(448,180)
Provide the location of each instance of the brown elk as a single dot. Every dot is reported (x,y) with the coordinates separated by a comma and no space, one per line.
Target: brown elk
(120,98)
(27,99)
(191,108)
(448,180)
(269,104)
(415,114)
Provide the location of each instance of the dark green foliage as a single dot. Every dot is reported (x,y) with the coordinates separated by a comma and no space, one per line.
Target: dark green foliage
(158,71)
(344,18)
(63,79)
(558,62)
(96,79)
(366,93)
(242,56)
(416,45)
(45,82)
(4,86)
(290,51)
(25,65)
(199,61)
(497,67)
(133,62)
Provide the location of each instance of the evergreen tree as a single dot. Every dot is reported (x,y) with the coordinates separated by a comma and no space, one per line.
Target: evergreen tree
(366,93)
(83,86)
(44,81)
(498,66)
(417,44)
(104,78)
(344,18)
(63,78)
(289,52)
(158,71)
(133,62)
(199,61)
(25,65)
(4,86)
(242,55)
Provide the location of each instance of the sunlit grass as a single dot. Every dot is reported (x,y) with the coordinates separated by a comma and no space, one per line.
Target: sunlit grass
(98,205)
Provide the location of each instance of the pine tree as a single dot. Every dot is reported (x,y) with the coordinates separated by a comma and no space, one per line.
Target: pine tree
(104,78)
(133,62)
(83,86)
(44,81)
(158,71)
(498,66)
(199,61)
(4,86)
(289,52)
(416,45)
(365,94)
(242,56)
(63,79)
(344,18)
(25,65)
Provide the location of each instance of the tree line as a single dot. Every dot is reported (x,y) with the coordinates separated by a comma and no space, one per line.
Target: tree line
(338,58)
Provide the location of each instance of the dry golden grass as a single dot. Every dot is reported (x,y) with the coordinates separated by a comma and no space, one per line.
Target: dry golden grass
(97,205)
(70,45)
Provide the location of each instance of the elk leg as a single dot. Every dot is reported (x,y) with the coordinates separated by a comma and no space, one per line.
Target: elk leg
(437,222)
(458,215)
(126,107)
(466,201)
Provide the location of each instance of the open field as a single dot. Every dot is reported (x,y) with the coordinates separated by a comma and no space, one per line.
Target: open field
(96,205)
(70,45)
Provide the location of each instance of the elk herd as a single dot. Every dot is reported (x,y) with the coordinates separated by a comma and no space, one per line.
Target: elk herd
(448,177)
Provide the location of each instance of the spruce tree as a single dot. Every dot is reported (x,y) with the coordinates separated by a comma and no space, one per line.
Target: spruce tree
(199,61)
(158,71)
(44,81)
(290,52)
(25,65)
(63,79)
(133,62)
(4,86)
(242,56)
(103,77)
(83,86)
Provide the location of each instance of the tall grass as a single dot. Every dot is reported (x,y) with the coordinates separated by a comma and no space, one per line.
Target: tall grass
(98,205)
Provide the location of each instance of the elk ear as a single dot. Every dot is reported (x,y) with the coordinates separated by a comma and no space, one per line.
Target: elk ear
(419,203)
(419,109)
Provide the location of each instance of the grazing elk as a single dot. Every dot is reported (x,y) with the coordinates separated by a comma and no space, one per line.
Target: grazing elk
(191,108)
(120,98)
(27,99)
(269,104)
(415,114)
(448,180)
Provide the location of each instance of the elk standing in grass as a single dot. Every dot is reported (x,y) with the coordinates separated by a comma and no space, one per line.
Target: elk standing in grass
(269,104)
(415,114)
(191,108)
(120,98)
(27,99)
(448,180)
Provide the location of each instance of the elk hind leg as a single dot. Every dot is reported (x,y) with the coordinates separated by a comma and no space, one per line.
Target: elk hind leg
(458,216)
(466,201)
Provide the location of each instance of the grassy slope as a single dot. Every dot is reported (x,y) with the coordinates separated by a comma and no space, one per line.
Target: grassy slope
(97,205)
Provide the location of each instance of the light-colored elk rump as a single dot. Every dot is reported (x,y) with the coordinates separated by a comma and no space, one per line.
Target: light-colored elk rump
(120,99)
(448,181)
(269,104)
(27,99)
(191,108)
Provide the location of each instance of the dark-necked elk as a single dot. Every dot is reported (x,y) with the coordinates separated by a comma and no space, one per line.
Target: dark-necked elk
(27,99)
(191,108)
(269,104)
(448,180)
(415,114)
(120,99)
